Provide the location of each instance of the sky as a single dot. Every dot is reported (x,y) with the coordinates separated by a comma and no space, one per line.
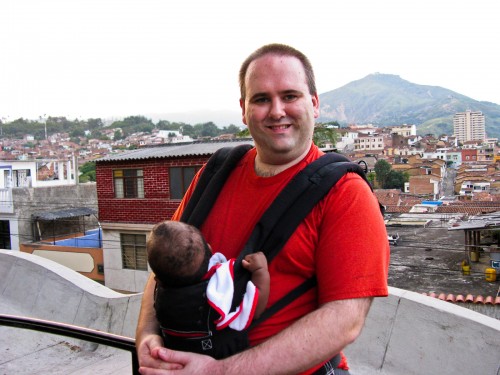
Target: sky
(109,58)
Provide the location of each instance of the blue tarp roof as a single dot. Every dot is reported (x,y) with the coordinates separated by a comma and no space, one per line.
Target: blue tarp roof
(436,203)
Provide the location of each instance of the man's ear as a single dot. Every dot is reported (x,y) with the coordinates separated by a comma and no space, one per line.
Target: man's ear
(315,101)
(243,111)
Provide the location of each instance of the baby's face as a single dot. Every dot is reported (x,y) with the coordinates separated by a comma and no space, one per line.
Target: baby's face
(203,257)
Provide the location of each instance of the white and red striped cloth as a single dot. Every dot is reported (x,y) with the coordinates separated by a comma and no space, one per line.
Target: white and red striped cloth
(220,291)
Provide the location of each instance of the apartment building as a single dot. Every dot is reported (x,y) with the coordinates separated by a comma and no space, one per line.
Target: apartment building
(137,189)
(369,142)
(404,130)
(469,126)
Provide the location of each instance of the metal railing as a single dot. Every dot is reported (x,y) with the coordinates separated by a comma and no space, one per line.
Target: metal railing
(6,201)
(80,333)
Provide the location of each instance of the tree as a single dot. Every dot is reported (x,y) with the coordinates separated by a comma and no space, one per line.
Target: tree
(77,133)
(323,134)
(370,176)
(94,123)
(231,129)
(382,169)
(87,172)
(245,133)
(396,180)
(188,130)
(117,135)
(208,129)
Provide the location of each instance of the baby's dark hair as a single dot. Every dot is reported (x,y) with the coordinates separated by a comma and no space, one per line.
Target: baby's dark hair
(173,251)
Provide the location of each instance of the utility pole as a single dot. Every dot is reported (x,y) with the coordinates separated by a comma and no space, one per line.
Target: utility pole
(43,118)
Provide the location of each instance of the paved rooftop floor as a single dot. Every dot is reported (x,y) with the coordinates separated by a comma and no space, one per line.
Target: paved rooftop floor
(429,260)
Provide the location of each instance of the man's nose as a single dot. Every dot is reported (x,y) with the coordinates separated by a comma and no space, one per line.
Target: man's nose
(277,110)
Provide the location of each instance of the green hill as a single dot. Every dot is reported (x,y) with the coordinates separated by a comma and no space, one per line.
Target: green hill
(385,100)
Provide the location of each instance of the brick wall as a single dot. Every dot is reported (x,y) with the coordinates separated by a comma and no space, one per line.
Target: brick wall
(421,185)
(156,204)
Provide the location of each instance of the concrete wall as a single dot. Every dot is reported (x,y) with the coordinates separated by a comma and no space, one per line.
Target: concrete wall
(406,333)
(116,277)
(40,288)
(31,200)
(409,333)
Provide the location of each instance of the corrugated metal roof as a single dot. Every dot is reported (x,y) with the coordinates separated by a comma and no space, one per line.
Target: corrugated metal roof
(488,221)
(174,150)
(62,214)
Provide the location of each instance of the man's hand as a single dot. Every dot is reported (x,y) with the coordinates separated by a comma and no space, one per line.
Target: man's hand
(147,352)
(180,363)
(147,340)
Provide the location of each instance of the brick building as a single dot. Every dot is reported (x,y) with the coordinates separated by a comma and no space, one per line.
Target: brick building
(136,190)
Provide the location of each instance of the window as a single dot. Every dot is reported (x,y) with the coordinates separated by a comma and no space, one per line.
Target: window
(5,234)
(129,183)
(180,178)
(134,251)
(21,178)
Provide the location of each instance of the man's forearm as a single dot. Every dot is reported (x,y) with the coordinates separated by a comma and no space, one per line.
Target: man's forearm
(311,340)
(147,323)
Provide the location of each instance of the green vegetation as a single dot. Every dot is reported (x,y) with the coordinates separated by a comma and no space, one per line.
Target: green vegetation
(87,171)
(325,133)
(388,178)
(76,129)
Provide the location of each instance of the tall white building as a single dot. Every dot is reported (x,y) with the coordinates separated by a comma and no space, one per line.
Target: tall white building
(469,126)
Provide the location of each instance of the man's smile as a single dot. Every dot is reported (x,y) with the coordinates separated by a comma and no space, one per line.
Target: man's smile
(278,127)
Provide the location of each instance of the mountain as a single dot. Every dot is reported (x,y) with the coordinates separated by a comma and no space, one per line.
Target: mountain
(386,99)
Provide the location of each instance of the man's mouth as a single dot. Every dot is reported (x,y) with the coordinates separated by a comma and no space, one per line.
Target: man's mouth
(279,127)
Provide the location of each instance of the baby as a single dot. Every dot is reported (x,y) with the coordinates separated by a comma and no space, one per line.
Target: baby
(194,292)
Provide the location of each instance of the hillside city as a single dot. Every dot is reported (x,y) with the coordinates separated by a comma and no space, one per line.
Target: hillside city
(440,195)
(449,178)
(420,160)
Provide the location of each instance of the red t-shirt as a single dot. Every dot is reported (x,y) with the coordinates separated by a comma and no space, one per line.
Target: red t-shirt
(343,241)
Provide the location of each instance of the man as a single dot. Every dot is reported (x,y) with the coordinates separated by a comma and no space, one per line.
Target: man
(342,242)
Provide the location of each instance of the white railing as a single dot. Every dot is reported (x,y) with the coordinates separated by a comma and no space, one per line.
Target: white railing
(6,202)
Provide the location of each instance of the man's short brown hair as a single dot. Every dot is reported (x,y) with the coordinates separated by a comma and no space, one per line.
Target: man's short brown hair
(278,50)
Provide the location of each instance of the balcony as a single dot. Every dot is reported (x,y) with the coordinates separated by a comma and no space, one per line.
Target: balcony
(6,202)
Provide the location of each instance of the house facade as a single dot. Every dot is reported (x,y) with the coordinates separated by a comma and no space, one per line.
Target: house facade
(369,142)
(30,187)
(136,190)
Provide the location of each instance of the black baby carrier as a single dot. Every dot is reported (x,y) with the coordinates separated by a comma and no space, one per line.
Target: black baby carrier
(185,317)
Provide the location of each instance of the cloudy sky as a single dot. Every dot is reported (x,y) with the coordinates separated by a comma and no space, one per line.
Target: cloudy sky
(110,58)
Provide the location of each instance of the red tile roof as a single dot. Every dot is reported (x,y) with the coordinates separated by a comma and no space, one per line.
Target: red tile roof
(488,300)
(398,209)
(466,210)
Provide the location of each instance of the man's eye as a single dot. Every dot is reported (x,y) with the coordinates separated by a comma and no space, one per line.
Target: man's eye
(290,97)
(261,100)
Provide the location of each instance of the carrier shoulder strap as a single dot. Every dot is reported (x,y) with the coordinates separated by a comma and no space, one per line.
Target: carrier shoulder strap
(295,201)
(212,179)
(282,217)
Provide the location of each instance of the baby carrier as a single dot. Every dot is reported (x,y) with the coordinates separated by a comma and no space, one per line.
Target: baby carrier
(197,333)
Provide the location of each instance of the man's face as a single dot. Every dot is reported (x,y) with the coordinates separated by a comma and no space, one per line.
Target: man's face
(278,108)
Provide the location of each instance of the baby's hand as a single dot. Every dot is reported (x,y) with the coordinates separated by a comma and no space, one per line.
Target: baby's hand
(255,261)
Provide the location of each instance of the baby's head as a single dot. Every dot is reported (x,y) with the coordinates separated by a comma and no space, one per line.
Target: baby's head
(177,253)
